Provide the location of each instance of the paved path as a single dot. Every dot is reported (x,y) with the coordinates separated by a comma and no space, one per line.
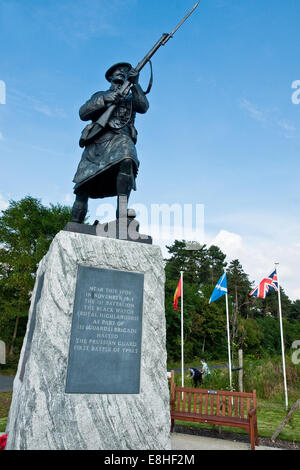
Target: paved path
(190,442)
(6,383)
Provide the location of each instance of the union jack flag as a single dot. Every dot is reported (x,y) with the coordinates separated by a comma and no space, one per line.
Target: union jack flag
(266,285)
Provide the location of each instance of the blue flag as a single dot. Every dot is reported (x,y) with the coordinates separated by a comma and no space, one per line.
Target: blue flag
(220,289)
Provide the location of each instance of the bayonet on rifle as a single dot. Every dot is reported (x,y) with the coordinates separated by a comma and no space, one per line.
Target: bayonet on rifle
(181,22)
(92,130)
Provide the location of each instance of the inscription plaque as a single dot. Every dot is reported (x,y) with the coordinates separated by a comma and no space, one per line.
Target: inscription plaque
(106,333)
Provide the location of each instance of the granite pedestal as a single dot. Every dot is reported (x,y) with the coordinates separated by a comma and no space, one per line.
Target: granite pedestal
(92,371)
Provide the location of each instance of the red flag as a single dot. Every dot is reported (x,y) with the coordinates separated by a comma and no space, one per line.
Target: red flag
(177,295)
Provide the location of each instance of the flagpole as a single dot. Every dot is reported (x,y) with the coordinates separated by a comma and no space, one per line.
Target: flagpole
(282,341)
(182,350)
(220,290)
(228,340)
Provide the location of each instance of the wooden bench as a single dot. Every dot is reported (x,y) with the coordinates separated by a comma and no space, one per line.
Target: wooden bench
(218,407)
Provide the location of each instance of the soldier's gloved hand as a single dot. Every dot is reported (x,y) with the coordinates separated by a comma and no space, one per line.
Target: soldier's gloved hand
(112,97)
(133,76)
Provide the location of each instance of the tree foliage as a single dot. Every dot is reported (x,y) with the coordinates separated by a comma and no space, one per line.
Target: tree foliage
(27,228)
(254,324)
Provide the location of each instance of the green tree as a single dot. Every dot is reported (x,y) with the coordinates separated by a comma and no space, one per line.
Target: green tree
(214,266)
(26,231)
(214,335)
(239,288)
(254,322)
(202,266)
(269,305)
(192,320)
(249,335)
(204,328)
(270,344)
(294,312)
(188,261)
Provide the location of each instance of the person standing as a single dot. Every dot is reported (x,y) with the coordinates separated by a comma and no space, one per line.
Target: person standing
(204,369)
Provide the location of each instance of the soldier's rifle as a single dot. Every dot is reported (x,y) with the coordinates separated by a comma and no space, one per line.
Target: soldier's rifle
(95,128)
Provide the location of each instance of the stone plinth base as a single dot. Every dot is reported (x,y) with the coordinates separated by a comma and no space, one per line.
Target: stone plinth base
(42,414)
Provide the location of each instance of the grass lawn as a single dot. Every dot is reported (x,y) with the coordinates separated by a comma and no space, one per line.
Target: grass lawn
(3,424)
(5,400)
(270,416)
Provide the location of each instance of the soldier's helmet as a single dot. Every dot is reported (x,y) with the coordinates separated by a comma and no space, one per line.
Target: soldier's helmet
(114,67)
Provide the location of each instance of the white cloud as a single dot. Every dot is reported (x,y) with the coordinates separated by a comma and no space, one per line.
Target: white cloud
(47,111)
(269,117)
(69,198)
(1,136)
(24,101)
(258,255)
(260,223)
(295,293)
(253,110)
(230,242)
(43,109)
(286,125)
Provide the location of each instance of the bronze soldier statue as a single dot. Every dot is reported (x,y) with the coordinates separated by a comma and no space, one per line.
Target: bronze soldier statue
(109,163)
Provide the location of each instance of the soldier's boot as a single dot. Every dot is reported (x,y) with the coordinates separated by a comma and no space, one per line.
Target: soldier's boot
(80,208)
(125,182)
(122,206)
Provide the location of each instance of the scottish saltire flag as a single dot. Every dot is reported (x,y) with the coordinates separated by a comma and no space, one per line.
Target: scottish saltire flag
(266,285)
(220,289)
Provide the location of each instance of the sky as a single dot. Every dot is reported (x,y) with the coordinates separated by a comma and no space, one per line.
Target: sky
(222,130)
